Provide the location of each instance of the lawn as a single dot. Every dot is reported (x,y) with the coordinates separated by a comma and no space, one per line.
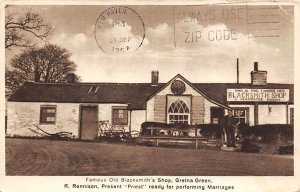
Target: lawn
(51,157)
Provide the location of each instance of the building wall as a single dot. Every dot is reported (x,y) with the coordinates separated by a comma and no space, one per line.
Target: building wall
(272,114)
(199,106)
(268,114)
(150,110)
(289,118)
(137,118)
(24,115)
(160,108)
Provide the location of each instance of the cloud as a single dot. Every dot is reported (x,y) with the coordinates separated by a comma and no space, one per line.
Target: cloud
(80,37)
(201,61)
(160,37)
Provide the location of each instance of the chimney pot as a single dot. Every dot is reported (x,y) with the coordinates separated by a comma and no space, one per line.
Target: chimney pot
(154,77)
(256,66)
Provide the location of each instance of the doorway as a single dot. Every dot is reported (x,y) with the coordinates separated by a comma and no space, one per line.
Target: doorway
(88,122)
(216,115)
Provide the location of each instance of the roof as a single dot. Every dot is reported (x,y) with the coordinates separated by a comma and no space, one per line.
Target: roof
(127,93)
(134,94)
(192,86)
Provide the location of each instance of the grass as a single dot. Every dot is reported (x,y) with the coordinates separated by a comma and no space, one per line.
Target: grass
(51,157)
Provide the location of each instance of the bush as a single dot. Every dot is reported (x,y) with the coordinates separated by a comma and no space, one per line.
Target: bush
(286,150)
(210,130)
(269,133)
(249,147)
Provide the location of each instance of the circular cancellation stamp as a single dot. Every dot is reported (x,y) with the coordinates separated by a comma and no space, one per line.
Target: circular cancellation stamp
(119,29)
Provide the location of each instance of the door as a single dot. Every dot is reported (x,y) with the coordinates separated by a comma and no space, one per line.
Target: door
(216,114)
(88,122)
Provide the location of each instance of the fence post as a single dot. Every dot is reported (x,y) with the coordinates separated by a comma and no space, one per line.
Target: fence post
(196,143)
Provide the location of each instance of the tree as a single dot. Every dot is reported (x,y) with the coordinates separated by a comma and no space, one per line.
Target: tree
(50,63)
(19,31)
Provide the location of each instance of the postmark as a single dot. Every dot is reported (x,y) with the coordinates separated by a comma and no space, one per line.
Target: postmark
(212,24)
(119,29)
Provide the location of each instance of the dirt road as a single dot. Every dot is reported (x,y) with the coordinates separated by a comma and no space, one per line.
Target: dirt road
(48,157)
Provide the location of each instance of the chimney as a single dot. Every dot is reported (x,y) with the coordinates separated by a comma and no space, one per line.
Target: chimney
(258,77)
(70,78)
(154,77)
(255,66)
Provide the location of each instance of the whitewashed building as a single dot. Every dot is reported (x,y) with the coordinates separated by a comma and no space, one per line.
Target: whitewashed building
(77,107)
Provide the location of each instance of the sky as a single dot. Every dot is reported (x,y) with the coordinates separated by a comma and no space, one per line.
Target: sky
(202,43)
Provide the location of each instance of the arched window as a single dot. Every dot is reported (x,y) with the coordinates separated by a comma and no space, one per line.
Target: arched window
(179,112)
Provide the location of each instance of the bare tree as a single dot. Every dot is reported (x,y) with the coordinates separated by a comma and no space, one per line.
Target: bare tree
(50,63)
(19,31)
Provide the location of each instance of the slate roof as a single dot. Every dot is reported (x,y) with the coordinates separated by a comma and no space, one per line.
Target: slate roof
(135,94)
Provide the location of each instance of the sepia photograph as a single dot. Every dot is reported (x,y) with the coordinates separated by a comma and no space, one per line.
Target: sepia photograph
(133,90)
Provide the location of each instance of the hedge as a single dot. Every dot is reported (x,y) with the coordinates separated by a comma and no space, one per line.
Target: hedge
(210,130)
(268,132)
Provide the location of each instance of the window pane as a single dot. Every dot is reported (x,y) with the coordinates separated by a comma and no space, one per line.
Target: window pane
(50,110)
(50,119)
(241,114)
(120,113)
(47,115)
(215,120)
(120,117)
(181,110)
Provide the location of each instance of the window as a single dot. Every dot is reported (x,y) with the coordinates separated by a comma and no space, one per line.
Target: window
(120,116)
(241,114)
(48,114)
(179,112)
(291,115)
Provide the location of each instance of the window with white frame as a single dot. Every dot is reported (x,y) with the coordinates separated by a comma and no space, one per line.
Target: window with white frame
(179,112)
(241,114)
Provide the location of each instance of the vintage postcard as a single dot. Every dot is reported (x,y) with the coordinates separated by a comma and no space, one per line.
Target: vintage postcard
(149,96)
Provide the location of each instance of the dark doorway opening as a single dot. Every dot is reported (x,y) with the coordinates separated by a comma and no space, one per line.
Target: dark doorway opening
(216,115)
